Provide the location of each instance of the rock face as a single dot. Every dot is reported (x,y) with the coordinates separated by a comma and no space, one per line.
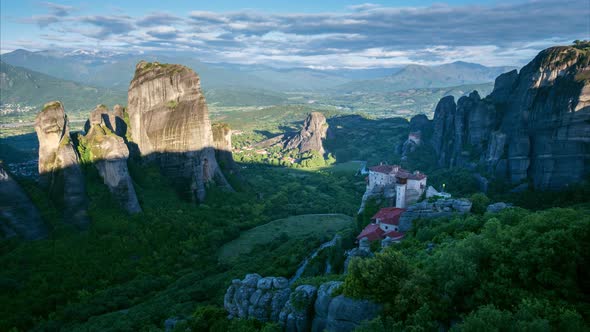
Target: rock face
(109,154)
(18,216)
(439,208)
(223,148)
(533,126)
(170,124)
(307,308)
(311,136)
(115,121)
(257,298)
(420,129)
(59,168)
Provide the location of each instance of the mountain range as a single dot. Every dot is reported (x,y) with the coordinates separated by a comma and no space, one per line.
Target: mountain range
(417,76)
(115,71)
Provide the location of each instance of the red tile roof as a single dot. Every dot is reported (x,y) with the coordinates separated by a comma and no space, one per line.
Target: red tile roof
(398,172)
(372,232)
(394,235)
(389,215)
(385,169)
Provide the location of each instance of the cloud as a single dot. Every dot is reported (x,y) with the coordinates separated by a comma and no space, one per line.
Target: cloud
(107,25)
(366,35)
(158,19)
(57,9)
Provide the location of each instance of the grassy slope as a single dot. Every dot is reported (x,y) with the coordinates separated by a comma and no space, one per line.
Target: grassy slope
(294,227)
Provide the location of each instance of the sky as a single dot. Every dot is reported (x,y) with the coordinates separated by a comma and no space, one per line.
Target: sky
(330,34)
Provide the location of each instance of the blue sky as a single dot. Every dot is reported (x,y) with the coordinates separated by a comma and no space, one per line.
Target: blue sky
(317,34)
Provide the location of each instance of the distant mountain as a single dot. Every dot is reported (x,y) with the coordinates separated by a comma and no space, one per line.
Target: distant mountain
(29,88)
(417,76)
(116,70)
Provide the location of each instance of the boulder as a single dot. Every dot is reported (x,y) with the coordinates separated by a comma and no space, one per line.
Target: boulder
(497,207)
(59,165)
(346,314)
(257,298)
(297,314)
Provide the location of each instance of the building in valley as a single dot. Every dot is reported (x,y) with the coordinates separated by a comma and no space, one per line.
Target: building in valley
(384,225)
(392,181)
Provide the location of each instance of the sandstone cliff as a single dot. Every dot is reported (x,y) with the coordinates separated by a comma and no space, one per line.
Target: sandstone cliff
(59,168)
(18,216)
(532,127)
(223,148)
(109,154)
(311,136)
(115,121)
(170,124)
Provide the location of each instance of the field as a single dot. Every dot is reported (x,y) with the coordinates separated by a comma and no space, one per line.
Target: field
(303,226)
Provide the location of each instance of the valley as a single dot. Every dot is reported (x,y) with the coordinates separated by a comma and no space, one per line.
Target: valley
(186,204)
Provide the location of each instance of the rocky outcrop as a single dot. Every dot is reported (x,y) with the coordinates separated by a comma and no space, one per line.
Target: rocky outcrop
(307,308)
(443,129)
(420,129)
(170,124)
(438,208)
(497,207)
(311,136)
(59,167)
(533,126)
(18,216)
(115,121)
(257,298)
(109,155)
(223,148)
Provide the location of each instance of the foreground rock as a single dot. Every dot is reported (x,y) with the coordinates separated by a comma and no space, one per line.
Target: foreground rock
(59,166)
(439,208)
(307,308)
(533,126)
(170,124)
(18,216)
(109,154)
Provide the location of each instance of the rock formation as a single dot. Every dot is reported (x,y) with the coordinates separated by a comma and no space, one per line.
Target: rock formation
(533,126)
(306,308)
(59,168)
(223,148)
(109,154)
(438,208)
(311,136)
(115,121)
(420,129)
(170,124)
(18,216)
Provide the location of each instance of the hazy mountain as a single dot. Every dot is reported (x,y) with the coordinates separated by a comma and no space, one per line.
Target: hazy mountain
(29,88)
(116,70)
(417,76)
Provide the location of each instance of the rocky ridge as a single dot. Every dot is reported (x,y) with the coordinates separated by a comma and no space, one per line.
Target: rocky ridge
(532,127)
